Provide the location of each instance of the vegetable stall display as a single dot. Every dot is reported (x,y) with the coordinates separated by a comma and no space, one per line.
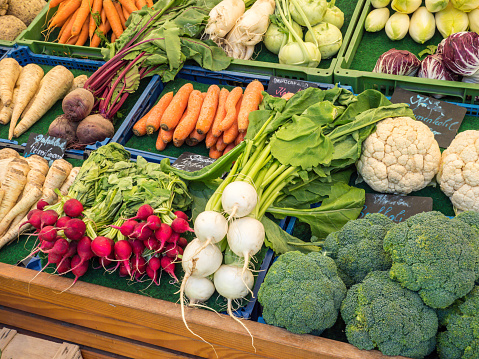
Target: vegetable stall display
(16,15)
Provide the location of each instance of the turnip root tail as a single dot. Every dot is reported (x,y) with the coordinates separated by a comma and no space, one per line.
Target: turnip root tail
(230,313)
(245,267)
(182,303)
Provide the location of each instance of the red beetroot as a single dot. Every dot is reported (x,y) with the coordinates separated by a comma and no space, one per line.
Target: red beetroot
(75,229)
(49,218)
(144,212)
(168,266)
(180,214)
(62,222)
(102,246)
(174,238)
(180,225)
(64,266)
(151,243)
(153,222)
(41,204)
(163,234)
(73,208)
(182,242)
(48,233)
(137,247)
(123,252)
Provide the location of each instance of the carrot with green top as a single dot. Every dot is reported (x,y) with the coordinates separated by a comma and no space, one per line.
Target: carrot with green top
(140,3)
(160,145)
(81,17)
(156,113)
(113,17)
(251,100)
(83,34)
(220,112)
(176,108)
(95,13)
(188,123)
(230,106)
(126,14)
(64,13)
(54,3)
(67,34)
(103,29)
(214,153)
(208,110)
(119,10)
(231,133)
(129,5)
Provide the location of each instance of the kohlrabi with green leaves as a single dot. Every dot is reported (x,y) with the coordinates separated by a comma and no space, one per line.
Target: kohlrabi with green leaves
(329,38)
(314,10)
(277,35)
(334,15)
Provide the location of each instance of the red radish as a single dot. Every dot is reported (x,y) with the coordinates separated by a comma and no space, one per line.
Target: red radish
(73,208)
(42,204)
(144,212)
(54,258)
(173,251)
(154,263)
(49,218)
(45,246)
(137,247)
(62,222)
(180,225)
(151,243)
(141,232)
(153,222)
(105,261)
(123,271)
(84,249)
(48,233)
(163,234)
(168,265)
(181,214)
(75,229)
(153,274)
(123,253)
(79,268)
(60,247)
(182,242)
(173,238)
(139,265)
(102,246)
(72,250)
(64,266)
(35,220)
(29,215)
(127,228)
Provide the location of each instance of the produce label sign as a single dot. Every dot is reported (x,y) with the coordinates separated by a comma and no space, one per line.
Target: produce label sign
(49,147)
(192,162)
(397,208)
(278,86)
(443,118)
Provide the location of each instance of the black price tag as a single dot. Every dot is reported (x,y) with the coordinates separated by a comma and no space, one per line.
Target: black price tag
(397,208)
(278,86)
(49,147)
(192,162)
(443,118)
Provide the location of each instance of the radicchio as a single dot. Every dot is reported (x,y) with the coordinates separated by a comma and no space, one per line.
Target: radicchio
(461,53)
(440,47)
(432,67)
(397,62)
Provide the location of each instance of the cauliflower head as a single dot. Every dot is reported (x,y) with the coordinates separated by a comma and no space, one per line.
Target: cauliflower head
(400,157)
(458,174)
(302,293)
(379,313)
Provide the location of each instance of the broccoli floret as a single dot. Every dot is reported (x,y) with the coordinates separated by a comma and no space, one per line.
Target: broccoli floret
(358,247)
(461,338)
(469,217)
(302,293)
(379,313)
(434,255)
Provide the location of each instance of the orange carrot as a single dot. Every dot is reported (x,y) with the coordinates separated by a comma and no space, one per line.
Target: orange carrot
(228,148)
(194,138)
(139,129)
(64,26)
(230,106)
(81,17)
(220,144)
(119,10)
(178,143)
(67,33)
(174,111)
(231,133)
(113,37)
(188,123)
(240,138)
(113,17)
(167,136)
(149,3)
(154,118)
(103,28)
(160,145)
(220,112)
(73,40)
(54,3)
(126,14)
(96,10)
(214,153)
(210,140)
(208,110)
(140,3)
(83,34)
(251,100)
(64,13)
(129,5)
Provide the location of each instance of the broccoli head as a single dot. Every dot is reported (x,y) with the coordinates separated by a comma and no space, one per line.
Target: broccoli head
(461,338)
(358,247)
(302,293)
(434,255)
(380,313)
(469,217)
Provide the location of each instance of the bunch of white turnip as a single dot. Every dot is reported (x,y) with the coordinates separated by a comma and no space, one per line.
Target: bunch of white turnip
(203,258)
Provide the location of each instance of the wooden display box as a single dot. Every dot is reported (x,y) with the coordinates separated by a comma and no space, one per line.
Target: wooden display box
(136,326)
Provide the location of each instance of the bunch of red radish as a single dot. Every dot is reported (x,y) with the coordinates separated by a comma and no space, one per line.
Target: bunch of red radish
(149,244)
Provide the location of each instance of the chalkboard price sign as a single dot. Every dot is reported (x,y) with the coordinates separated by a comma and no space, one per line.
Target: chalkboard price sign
(398,208)
(443,118)
(192,162)
(49,147)
(278,86)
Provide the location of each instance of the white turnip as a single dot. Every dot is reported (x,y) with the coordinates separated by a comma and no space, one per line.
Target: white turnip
(239,199)
(199,289)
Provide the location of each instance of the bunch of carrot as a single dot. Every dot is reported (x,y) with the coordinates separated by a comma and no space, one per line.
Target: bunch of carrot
(80,20)
(219,117)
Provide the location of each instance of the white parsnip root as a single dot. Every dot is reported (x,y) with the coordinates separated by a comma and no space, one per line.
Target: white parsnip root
(57,174)
(8,153)
(223,17)
(69,181)
(9,72)
(13,183)
(6,112)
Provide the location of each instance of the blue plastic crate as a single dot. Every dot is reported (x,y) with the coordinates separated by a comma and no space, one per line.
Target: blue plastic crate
(190,73)
(3,51)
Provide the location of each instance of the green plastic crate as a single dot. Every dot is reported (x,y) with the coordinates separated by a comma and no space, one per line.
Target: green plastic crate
(34,38)
(356,62)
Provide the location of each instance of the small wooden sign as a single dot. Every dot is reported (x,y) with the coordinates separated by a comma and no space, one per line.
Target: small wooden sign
(192,162)
(49,147)
(443,118)
(278,86)
(398,208)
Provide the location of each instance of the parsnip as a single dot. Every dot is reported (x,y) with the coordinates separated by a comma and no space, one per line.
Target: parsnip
(38,163)
(8,153)
(57,174)
(28,81)
(6,112)
(54,86)
(32,100)
(28,200)
(9,72)
(223,17)
(35,179)
(13,183)
(69,181)
(2,193)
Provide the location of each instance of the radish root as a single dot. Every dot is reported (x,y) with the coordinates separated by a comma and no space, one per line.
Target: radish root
(230,312)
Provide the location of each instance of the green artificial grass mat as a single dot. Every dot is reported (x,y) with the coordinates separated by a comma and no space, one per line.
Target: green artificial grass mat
(148,142)
(346,6)
(41,126)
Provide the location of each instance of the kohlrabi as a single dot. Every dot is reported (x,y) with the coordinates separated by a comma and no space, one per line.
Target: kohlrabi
(314,10)
(276,37)
(334,15)
(329,38)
